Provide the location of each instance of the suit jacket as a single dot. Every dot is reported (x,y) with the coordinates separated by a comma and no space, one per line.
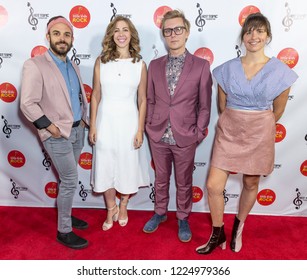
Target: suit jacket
(188,109)
(44,95)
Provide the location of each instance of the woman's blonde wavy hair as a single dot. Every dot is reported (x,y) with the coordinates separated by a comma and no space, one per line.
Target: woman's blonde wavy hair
(109,52)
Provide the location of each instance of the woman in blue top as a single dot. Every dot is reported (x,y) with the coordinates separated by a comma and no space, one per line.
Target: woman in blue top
(253,91)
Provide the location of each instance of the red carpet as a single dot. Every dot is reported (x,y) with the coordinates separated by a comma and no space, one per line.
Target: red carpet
(29,233)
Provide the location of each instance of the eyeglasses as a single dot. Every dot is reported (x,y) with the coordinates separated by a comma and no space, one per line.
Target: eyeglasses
(177,30)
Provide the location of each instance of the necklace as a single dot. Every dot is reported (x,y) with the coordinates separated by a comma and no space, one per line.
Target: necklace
(121,65)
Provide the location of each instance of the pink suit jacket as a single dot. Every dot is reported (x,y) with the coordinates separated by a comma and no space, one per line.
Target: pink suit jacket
(188,109)
(44,92)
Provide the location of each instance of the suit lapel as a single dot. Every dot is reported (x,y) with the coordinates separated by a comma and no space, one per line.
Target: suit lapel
(185,72)
(163,79)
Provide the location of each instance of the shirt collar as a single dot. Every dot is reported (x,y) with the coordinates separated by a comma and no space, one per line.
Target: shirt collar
(56,59)
(179,58)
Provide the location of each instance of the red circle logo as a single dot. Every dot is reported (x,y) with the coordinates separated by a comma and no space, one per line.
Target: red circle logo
(303,168)
(205,53)
(85,160)
(16,158)
(197,194)
(38,50)
(246,12)
(88,92)
(288,56)
(8,93)
(79,16)
(266,197)
(51,189)
(159,13)
(280,133)
(3,16)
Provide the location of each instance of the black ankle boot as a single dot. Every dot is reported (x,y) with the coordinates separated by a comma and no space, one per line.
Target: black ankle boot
(217,238)
(236,236)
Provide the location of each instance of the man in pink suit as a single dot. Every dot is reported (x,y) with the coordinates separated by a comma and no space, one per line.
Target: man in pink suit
(178,113)
(54,100)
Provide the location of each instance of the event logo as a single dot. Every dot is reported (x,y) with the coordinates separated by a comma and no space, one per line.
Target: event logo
(152,193)
(303,168)
(16,159)
(288,56)
(246,12)
(298,200)
(277,166)
(32,20)
(88,92)
(289,18)
(79,16)
(38,50)
(51,189)
(199,164)
(156,52)
(205,53)
(3,16)
(114,13)
(197,194)
(76,58)
(238,50)
(266,197)
(34,17)
(83,192)
(228,196)
(200,20)
(8,92)
(159,13)
(85,160)
(46,161)
(280,133)
(15,190)
(4,56)
(7,128)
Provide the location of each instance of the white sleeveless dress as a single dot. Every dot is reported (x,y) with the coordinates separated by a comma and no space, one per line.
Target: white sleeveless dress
(116,164)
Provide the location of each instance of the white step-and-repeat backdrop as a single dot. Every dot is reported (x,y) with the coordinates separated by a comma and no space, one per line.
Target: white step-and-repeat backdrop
(27,176)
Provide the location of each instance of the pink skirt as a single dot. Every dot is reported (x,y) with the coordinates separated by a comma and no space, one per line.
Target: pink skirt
(245,142)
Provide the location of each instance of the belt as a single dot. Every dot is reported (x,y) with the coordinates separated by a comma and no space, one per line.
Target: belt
(75,124)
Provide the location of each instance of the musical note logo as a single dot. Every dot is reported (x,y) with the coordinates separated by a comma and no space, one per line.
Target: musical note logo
(152,194)
(6,130)
(74,58)
(287,20)
(297,201)
(82,192)
(1,61)
(14,191)
(226,199)
(306,137)
(238,51)
(156,52)
(200,21)
(32,20)
(114,11)
(47,160)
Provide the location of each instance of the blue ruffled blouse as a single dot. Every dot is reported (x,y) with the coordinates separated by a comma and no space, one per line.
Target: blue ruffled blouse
(257,93)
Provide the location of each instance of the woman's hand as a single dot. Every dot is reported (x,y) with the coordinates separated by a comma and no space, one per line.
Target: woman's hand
(92,135)
(138,140)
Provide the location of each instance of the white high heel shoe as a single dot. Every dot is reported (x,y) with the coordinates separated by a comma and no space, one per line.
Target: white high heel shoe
(106,226)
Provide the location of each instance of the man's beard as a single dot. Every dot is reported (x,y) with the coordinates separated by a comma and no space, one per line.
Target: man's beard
(60,51)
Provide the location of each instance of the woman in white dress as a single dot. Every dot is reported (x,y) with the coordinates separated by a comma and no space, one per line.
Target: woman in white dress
(117,117)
